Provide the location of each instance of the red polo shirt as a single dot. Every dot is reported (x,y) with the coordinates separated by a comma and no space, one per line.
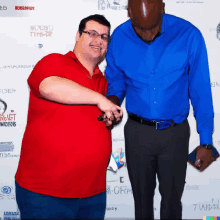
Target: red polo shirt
(65,149)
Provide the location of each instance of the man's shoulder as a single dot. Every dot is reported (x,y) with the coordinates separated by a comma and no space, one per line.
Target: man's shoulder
(53,57)
(180,23)
(50,59)
(122,28)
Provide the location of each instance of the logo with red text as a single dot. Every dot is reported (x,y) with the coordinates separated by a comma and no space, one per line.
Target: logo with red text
(21,8)
(6,119)
(41,30)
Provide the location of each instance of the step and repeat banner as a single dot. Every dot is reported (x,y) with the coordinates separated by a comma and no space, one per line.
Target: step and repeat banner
(31,29)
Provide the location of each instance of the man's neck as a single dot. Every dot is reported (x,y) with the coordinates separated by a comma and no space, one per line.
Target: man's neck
(88,64)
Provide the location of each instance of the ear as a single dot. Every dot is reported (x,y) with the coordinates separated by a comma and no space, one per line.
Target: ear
(129,8)
(77,36)
(129,11)
(163,8)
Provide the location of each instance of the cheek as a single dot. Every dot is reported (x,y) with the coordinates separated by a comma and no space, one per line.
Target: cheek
(104,49)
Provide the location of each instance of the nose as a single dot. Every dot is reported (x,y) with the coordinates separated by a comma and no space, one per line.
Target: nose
(98,39)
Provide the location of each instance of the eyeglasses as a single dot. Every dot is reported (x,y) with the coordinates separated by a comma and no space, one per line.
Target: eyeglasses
(94,35)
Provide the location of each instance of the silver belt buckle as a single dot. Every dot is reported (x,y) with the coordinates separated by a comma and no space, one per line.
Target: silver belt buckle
(156,123)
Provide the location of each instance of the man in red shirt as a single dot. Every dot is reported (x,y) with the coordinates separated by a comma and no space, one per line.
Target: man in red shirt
(65,149)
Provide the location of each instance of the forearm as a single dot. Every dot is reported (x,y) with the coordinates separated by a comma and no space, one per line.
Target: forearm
(114,99)
(66,91)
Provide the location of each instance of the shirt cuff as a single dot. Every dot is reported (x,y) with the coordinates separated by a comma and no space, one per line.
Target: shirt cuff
(206,137)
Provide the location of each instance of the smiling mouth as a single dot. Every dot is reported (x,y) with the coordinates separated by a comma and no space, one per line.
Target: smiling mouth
(95,48)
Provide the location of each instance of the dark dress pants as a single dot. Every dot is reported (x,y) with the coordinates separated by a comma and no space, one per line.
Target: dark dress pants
(162,152)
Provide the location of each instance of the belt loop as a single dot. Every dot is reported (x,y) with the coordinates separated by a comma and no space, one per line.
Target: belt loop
(156,125)
(141,120)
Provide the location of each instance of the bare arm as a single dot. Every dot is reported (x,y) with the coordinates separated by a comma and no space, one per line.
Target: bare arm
(114,99)
(66,91)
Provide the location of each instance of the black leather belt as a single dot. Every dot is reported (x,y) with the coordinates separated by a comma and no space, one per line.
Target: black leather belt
(157,124)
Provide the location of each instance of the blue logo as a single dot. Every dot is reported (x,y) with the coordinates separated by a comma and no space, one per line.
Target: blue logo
(6,189)
(116,161)
(112,4)
(40,46)
(6,146)
(11,215)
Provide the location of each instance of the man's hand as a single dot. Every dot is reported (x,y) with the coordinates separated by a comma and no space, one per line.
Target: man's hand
(117,115)
(204,158)
(111,113)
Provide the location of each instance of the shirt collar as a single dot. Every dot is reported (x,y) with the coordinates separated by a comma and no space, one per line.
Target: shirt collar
(72,55)
(163,28)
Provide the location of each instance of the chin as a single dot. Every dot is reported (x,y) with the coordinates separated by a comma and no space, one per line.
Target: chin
(97,58)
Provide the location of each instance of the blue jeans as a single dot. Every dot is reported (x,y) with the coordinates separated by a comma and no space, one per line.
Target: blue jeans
(37,206)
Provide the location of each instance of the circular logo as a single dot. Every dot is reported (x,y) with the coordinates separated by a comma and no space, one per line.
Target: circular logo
(218,31)
(6,189)
(3,107)
(40,46)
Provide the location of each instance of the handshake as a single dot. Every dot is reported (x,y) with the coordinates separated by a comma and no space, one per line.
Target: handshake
(112,113)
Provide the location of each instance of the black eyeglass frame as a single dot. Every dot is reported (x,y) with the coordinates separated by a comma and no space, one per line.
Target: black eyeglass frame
(97,35)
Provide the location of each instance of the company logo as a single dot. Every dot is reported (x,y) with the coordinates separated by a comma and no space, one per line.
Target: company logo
(118,139)
(40,46)
(111,209)
(211,217)
(3,107)
(3,8)
(24,8)
(11,215)
(16,66)
(9,148)
(215,84)
(192,187)
(116,161)
(190,1)
(213,205)
(112,4)
(7,193)
(218,31)
(6,190)
(6,120)
(7,91)
(6,146)
(41,30)
(119,190)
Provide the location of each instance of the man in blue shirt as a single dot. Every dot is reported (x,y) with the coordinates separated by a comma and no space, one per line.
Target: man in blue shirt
(159,62)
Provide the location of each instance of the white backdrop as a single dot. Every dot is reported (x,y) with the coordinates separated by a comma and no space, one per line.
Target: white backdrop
(50,26)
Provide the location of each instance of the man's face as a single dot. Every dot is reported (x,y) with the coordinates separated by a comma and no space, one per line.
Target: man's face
(93,48)
(145,14)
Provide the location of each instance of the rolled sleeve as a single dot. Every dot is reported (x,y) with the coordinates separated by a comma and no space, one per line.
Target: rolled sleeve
(200,89)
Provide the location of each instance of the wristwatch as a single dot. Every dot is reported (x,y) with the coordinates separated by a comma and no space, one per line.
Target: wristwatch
(207,146)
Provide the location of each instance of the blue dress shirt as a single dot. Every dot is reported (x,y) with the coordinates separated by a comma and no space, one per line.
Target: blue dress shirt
(158,79)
